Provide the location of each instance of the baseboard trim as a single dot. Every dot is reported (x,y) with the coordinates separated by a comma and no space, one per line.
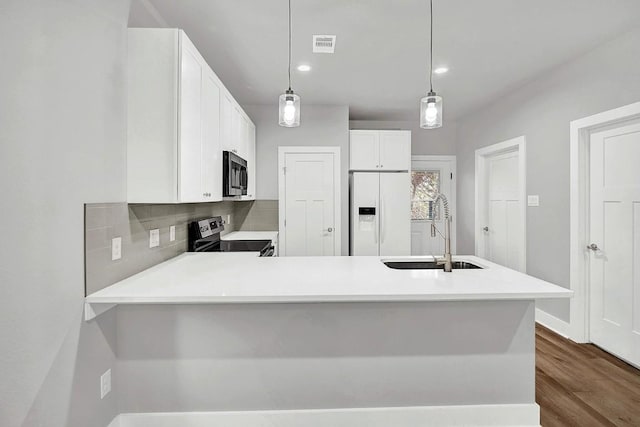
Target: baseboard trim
(517,415)
(558,326)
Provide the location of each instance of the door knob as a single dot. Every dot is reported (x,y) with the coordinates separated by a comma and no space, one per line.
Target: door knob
(485,229)
(593,247)
(329,229)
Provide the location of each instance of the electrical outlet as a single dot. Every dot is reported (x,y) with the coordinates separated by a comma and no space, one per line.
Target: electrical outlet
(116,248)
(172,233)
(533,200)
(105,383)
(154,238)
(228,219)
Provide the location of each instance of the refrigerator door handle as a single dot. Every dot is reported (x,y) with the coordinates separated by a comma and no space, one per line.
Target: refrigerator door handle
(375,227)
(381,218)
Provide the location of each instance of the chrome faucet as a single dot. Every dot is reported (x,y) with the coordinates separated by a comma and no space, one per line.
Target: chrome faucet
(446,261)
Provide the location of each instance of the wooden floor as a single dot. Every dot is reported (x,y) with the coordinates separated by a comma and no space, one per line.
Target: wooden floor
(581,385)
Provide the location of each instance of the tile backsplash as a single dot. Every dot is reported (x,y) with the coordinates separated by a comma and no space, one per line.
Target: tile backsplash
(258,215)
(104,221)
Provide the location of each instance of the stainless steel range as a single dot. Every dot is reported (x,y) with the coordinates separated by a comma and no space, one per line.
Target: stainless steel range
(204,236)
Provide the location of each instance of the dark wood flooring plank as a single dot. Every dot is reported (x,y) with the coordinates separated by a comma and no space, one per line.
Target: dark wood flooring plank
(582,385)
(559,407)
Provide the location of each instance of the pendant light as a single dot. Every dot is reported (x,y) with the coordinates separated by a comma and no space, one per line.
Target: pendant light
(289,105)
(431,105)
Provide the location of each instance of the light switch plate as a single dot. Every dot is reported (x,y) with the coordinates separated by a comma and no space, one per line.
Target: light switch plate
(116,248)
(154,238)
(172,233)
(533,200)
(105,383)
(228,219)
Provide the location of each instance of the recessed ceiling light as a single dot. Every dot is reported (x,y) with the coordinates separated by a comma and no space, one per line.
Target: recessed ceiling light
(304,67)
(441,70)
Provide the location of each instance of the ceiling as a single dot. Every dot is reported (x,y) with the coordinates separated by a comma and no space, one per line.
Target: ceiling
(379,67)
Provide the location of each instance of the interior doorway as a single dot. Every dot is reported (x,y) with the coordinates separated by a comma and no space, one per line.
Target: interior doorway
(605,231)
(431,175)
(309,201)
(500,224)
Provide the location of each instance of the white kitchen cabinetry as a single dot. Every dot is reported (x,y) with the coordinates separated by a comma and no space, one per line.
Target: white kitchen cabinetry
(173,147)
(180,119)
(250,143)
(238,134)
(380,150)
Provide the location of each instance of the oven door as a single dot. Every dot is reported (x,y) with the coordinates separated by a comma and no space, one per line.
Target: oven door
(268,252)
(235,177)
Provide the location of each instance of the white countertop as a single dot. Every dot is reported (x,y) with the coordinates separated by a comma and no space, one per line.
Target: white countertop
(200,278)
(250,235)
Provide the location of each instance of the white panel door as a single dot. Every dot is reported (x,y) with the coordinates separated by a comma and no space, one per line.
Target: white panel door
(211,149)
(503,232)
(364,150)
(395,214)
(428,178)
(365,229)
(190,152)
(395,150)
(309,204)
(615,229)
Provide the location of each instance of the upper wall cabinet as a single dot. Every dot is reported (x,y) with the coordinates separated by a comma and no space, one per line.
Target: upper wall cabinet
(180,118)
(251,161)
(380,150)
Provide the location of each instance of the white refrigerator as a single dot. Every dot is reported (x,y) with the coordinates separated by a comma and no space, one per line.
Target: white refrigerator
(380,213)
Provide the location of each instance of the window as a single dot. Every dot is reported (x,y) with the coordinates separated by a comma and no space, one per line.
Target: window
(425,186)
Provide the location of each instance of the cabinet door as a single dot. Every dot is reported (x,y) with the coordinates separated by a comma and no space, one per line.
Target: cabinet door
(395,150)
(226,125)
(243,141)
(236,130)
(251,162)
(190,140)
(363,150)
(211,150)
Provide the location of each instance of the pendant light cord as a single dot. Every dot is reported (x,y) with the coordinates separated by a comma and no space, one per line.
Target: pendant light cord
(289,44)
(430,48)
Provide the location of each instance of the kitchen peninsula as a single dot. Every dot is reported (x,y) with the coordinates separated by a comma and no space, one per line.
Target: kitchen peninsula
(329,334)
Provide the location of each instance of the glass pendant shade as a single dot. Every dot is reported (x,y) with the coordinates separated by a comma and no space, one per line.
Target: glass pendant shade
(431,111)
(289,109)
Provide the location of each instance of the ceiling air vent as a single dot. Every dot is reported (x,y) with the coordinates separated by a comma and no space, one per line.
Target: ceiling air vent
(324,44)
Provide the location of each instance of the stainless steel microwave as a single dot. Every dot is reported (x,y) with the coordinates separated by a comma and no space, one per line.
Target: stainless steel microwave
(234,175)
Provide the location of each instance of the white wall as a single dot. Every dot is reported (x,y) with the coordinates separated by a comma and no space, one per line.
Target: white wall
(605,78)
(441,141)
(62,144)
(321,125)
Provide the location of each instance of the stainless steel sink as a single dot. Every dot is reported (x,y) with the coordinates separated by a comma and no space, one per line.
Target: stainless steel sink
(428,265)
